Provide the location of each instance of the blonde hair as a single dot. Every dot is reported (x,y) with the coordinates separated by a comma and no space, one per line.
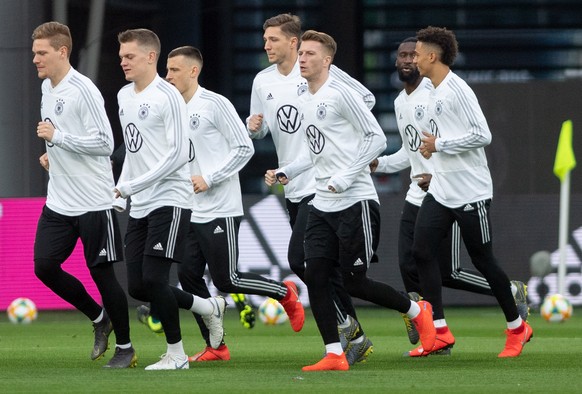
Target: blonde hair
(325,39)
(144,37)
(58,35)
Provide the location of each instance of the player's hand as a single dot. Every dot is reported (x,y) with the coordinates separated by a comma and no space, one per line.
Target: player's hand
(44,162)
(428,145)
(45,130)
(423,181)
(374,165)
(117,193)
(255,123)
(282,178)
(199,184)
(270,178)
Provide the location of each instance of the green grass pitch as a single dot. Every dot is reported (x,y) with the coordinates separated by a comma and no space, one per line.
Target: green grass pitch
(51,355)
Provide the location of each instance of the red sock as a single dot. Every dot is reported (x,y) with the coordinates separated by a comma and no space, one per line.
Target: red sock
(519,329)
(442,330)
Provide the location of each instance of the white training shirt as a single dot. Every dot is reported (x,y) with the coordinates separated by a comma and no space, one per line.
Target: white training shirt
(412,119)
(220,148)
(155,130)
(275,96)
(343,137)
(461,174)
(80,176)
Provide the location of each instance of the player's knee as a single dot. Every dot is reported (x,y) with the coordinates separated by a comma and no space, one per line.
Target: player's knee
(45,269)
(297,262)
(225,285)
(354,283)
(314,278)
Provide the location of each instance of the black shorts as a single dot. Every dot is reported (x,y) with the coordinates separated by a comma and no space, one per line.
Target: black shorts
(162,233)
(57,235)
(349,237)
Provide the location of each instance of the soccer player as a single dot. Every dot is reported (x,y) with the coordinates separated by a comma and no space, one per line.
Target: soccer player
(220,149)
(410,108)
(78,141)
(344,222)
(273,109)
(461,187)
(155,175)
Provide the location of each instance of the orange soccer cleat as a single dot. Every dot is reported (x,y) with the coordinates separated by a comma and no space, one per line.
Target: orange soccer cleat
(331,362)
(516,339)
(443,344)
(425,326)
(293,306)
(210,354)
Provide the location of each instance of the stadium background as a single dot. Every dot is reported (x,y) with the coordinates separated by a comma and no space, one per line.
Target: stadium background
(522,57)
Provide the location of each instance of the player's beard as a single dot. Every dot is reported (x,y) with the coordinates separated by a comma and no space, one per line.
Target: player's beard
(409,77)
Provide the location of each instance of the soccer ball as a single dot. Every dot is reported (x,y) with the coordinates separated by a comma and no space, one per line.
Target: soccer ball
(272,313)
(556,308)
(22,310)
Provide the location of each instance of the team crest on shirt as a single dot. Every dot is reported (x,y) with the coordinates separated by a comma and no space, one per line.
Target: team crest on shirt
(321,111)
(315,138)
(301,88)
(143,112)
(133,138)
(194,121)
(288,119)
(438,108)
(419,112)
(59,106)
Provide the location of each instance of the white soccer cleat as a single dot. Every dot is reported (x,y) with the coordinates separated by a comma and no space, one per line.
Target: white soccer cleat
(214,321)
(170,361)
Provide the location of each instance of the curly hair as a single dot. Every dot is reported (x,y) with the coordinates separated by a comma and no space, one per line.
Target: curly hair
(442,38)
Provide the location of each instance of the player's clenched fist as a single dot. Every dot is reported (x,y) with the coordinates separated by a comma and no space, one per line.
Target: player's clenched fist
(45,130)
(255,122)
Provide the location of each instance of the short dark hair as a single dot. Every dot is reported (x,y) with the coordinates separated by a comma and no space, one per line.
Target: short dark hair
(290,24)
(409,39)
(187,51)
(444,39)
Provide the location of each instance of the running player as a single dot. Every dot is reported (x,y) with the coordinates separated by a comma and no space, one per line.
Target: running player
(155,175)
(78,141)
(274,110)
(220,148)
(344,222)
(461,187)
(410,108)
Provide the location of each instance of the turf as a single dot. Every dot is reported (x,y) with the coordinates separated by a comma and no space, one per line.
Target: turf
(52,355)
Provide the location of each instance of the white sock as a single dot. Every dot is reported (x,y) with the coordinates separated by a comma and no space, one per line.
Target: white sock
(125,346)
(335,348)
(512,325)
(440,323)
(99,318)
(202,306)
(176,348)
(414,310)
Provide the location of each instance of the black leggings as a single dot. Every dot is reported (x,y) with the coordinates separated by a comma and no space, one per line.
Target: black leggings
(70,289)
(149,282)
